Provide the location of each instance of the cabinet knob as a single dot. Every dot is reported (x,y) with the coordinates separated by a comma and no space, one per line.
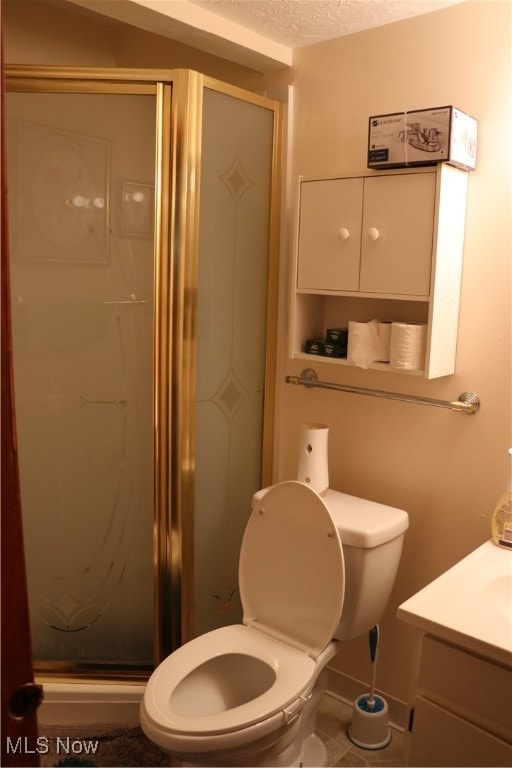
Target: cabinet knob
(373,233)
(344,233)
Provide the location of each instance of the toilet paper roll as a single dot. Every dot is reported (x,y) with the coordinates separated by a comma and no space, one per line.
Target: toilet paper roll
(364,343)
(384,331)
(408,345)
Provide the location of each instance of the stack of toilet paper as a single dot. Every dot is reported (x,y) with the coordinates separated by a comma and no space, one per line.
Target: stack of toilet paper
(402,345)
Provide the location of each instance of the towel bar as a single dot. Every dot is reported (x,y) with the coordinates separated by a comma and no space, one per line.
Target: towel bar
(467,402)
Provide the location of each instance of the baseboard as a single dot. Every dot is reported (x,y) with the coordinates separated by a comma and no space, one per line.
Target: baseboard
(83,704)
(348,689)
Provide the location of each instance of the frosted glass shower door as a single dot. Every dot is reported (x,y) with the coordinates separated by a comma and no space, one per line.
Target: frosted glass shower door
(232,302)
(81,175)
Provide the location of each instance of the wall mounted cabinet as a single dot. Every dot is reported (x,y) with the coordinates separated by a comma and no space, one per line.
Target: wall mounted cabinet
(384,246)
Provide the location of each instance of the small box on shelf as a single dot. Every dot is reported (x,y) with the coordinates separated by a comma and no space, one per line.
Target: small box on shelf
(337,336)
(423,137)
(333,345)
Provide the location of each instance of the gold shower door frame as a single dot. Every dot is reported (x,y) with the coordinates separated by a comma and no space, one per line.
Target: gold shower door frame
(179,98)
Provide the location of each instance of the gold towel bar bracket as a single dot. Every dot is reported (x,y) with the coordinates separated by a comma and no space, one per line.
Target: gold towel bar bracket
(467,402)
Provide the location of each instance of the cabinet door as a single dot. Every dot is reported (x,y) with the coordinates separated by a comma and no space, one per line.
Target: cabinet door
(330,234)
(397,234)
(470,686)
(440,738)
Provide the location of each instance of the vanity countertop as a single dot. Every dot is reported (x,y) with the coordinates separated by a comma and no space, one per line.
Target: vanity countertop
(470,604)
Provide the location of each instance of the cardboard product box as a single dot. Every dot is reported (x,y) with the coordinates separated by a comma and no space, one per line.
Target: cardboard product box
(315,346)
(423,137)
(337,336)
(334,350)
(325,348)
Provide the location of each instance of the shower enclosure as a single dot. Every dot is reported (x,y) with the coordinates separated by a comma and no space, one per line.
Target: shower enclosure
(143,245)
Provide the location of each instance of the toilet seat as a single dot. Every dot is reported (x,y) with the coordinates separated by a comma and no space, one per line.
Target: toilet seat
(294,671)
(292,570)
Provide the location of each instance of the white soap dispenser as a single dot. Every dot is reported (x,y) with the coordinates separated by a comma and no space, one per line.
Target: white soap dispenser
(501,523)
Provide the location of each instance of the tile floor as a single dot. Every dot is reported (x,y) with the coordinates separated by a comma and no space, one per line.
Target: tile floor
(333,719)
(131,748)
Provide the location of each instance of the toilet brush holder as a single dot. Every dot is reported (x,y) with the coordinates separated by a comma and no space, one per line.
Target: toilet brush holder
(369,728)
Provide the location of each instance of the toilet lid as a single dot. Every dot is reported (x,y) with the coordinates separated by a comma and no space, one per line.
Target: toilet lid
(291,571)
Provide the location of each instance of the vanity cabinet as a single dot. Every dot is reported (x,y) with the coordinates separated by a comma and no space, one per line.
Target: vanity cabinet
(384,246)
(462,712)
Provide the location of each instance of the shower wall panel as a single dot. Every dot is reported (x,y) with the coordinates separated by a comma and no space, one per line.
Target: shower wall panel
(81,185)
(232,299)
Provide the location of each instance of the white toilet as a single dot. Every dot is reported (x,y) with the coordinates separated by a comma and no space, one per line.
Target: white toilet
(314,571)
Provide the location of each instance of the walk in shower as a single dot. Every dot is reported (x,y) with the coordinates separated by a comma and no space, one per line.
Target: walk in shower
(143,244)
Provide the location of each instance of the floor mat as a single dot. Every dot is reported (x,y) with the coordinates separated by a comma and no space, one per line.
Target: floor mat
(81,747)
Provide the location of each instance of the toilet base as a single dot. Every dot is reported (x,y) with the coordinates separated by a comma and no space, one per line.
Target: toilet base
(311,754)
(314,753)
(304,750)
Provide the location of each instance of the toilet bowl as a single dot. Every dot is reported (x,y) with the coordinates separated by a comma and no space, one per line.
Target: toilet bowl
(227,696)
(314,571)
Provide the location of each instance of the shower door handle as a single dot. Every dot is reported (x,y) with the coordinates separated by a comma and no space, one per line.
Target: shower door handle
(25,700)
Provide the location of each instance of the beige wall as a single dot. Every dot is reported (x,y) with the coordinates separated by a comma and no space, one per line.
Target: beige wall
(38,33)
(447,470)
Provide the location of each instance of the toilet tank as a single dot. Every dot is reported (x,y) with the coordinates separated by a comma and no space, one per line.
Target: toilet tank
(371,535)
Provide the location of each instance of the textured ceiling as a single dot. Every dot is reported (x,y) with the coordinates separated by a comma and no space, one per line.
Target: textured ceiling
(296,23)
